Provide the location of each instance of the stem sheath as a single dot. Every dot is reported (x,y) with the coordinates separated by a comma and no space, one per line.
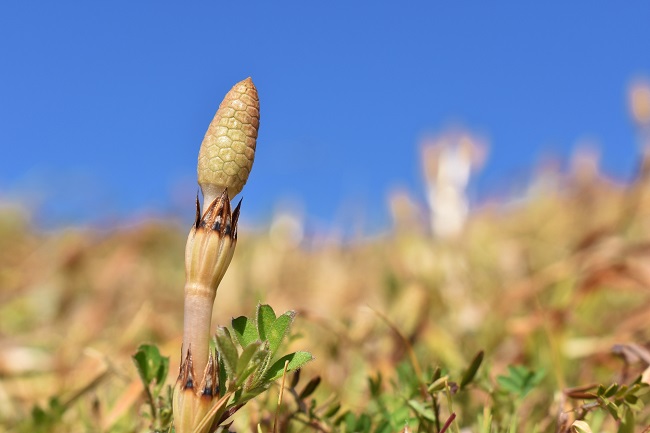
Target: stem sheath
(199,302)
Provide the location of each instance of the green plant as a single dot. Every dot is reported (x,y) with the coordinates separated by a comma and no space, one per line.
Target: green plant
(153,369)
(246,365)
(621,402)
(214,384)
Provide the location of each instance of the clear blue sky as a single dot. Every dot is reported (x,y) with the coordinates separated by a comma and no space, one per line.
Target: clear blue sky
(103,104)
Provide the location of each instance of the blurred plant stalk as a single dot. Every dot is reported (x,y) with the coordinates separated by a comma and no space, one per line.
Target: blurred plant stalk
(448,162)
(224,163)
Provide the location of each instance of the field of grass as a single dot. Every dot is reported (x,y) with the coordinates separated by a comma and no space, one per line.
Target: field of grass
(553,288)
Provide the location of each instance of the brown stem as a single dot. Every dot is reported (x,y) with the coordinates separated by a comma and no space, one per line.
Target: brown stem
(196,327)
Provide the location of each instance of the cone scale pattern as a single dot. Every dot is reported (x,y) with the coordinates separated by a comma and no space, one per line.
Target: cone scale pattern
(228,148)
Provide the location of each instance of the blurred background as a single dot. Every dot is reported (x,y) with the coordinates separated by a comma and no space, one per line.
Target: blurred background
(476,176)
(103,105)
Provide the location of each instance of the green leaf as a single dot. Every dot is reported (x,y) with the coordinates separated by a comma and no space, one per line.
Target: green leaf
(642,389)
(437,374)
(147,360)
(406,376)
(279,329)
(627,422)
(296,360)
(265,320)
(509,384)
(260,373)
(295,379)
(521,380)
(421,410)
(518,373)
(310,387)
(161,377)
(151,366)
(375,385)
(51,414)
(609,392)
(631,399)
(227,349)
(613,410)
(384,427)
(39,416)
(312,409)
(472,370)
(223,374)
(341,418)
(622,391)
(332,410)
(580,427)
(246,356)
(400,415)
(438,385)
(250,361)
(535,380)
(363,423)
(245,330)
(350,422)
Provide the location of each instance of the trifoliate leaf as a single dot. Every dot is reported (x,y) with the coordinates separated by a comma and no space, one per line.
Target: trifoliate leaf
(296,360)
(245,330)
(227,349)
(265,319)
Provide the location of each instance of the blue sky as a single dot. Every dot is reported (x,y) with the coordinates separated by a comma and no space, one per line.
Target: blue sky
(103,105)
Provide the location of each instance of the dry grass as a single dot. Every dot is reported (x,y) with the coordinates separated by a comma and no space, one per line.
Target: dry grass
(552,282)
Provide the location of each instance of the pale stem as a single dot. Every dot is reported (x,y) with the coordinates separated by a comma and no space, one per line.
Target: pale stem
(210,193)
(196,326)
